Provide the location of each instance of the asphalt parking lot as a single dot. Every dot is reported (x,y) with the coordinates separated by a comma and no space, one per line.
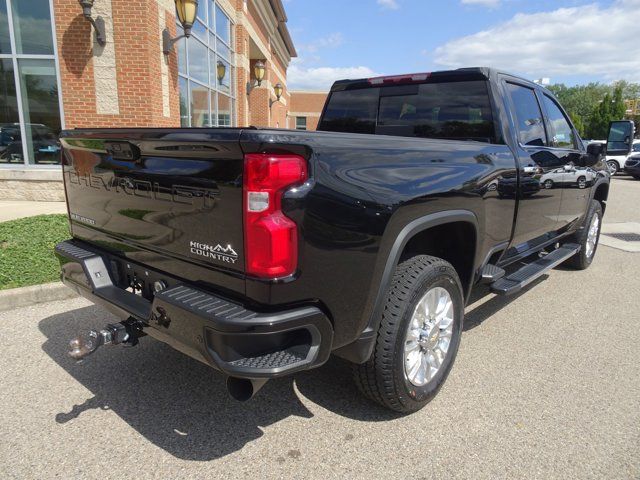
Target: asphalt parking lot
(546,385)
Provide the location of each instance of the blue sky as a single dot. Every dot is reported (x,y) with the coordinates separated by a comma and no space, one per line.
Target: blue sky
(568,41)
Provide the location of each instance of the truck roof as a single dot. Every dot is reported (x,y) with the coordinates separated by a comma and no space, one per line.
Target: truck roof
(460,74)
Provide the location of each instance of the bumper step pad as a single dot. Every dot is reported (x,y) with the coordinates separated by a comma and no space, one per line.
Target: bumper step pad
(276,360)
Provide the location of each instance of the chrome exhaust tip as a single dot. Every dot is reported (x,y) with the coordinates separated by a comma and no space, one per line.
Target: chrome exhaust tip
(243,389)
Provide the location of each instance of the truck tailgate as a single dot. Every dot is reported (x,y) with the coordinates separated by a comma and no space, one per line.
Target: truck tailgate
(172,198)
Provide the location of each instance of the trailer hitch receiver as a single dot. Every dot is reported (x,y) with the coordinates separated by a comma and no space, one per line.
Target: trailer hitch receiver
(127,332)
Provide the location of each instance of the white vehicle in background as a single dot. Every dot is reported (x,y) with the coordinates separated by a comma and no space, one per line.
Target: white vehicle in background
(568,176)
(616,162)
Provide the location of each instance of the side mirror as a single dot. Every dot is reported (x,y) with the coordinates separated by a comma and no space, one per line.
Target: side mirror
(619,139)
(595,149)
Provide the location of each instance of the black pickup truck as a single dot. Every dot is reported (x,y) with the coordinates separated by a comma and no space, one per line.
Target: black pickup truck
(261,252)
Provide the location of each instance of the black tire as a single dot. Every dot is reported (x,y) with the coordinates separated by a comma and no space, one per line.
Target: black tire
(637,177)
(614,167)
(548,184)
(382,378)
(582,182)
(580,261)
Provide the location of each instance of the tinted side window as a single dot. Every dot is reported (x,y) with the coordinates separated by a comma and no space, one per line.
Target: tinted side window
(528,115)
(563,136)
(451,110)
(352,111)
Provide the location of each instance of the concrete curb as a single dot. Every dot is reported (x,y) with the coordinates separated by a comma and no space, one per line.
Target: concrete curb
(22,297)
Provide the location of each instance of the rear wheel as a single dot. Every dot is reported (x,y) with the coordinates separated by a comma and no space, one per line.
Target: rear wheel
(613,167)
(418,336)
(587,237)
(637,177)
(582,182)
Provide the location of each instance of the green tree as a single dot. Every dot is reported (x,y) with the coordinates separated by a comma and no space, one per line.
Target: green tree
(618,108)
(629,90)
(578,123)
(587,106)
(580,99)
(599,120)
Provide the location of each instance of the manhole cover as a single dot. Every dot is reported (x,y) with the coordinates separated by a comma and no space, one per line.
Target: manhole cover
(627,237)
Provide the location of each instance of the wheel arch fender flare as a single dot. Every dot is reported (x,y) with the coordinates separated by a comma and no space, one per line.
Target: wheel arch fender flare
(361,349)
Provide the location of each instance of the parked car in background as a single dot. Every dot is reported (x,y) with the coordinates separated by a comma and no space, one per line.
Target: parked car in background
(568,176)
(617,162)
(632,166)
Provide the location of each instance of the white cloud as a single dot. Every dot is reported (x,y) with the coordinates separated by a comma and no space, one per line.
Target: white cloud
(332,40)
(586,40)
(390,4)
(485,3)
(321,78)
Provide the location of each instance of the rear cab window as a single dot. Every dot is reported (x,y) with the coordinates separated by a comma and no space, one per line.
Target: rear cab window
(458,110)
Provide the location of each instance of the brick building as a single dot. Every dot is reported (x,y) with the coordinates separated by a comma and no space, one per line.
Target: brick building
(305,109)
(55,73)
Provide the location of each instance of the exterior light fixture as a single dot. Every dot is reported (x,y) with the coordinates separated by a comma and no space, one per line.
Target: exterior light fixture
(186,11)
(277,89)
(221,71)
(259,71)
(98,23)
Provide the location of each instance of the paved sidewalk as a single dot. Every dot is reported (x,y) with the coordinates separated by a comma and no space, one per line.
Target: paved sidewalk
(12,209)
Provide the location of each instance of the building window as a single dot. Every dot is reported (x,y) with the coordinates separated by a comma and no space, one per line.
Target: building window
(301,123)
(30,120)
(205,99)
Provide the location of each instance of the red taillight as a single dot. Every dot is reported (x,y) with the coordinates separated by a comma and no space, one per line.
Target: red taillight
(270,237)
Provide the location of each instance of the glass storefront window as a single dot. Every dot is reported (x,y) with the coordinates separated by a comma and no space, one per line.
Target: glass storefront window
(10,139)
(5,41)
(212,17)
(32,27)
(200,30)
(30,119)
(183,87)
(198,71)
(199,105)
(223,50)
(223,26)
(224,111)
(41,111)
(197,61)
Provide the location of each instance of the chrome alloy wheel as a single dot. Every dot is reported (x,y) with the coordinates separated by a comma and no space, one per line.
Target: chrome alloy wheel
(592,236)
(429,336)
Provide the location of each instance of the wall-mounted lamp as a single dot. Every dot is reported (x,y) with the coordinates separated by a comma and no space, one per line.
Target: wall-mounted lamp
(186,10)
(221,71)
(259,71)
(98,23)
(277,89)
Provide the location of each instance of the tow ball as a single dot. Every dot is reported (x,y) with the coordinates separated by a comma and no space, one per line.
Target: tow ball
(127,332)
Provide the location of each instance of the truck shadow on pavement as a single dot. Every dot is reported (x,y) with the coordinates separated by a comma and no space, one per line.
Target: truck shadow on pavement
(475,317)
(181,405)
